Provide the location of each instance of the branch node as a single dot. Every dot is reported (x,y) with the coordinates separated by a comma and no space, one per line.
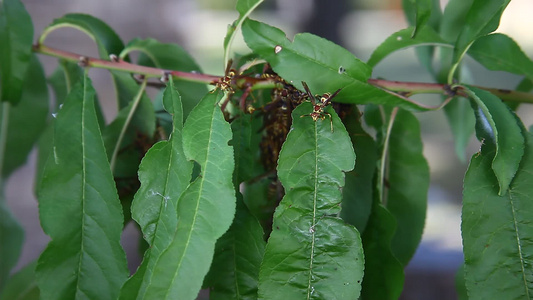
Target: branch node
(83,61)
(449,90)
(113,58)
(139,77)
(166,75)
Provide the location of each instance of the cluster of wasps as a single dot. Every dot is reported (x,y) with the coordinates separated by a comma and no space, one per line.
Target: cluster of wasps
(277,121)
(276,117)
(277,113)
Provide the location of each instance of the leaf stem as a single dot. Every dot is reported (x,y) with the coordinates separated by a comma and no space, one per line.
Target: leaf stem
(134,105)
(385,156)
(457,62)
(233,33)
(4,121)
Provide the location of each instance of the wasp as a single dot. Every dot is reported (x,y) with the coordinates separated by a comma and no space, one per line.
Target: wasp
(225,82)
(319,105)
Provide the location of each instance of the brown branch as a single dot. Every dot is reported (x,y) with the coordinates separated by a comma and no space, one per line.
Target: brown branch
(401,88)
(120,65)
(412,88)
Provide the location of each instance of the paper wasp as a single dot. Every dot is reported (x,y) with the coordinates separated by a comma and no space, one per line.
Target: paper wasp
(319,105)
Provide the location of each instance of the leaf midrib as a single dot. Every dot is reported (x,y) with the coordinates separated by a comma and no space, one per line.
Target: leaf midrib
(150,275)
(203,178)
(235,269)
(165,189)
(83,178)
(315,193)
(519,244)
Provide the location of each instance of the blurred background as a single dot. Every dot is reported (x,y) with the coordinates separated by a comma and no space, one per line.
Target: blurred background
(359,25)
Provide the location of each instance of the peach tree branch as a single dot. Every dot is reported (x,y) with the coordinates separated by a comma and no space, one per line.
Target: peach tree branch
(402,88)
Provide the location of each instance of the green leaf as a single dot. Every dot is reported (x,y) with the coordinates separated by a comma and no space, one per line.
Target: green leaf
(247,134)
(163,118)
(460,285)
(11,238)
(164,174)
(107,41)
(245,8)
(402,39)
(497,229)
(410,7)
(454,18)
(261,199)
(378,117)
(20,127)
(383,272)
(526,85)
(144,116)
(375,118)
(142,123)
(238,254)
(457,111)
(333,66)
(127,89)
(44,149)
(25,121)
(422,13)
(16,34)
(482,19)
(358,190)
(418,13)
(323,65)
(79,208)
(171,57)
(462,121)
(64,77)
(311,252)
(496,124)
(22,285)
(406,196)
(452,21)
(498,52)
(205,209)
(136,118)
